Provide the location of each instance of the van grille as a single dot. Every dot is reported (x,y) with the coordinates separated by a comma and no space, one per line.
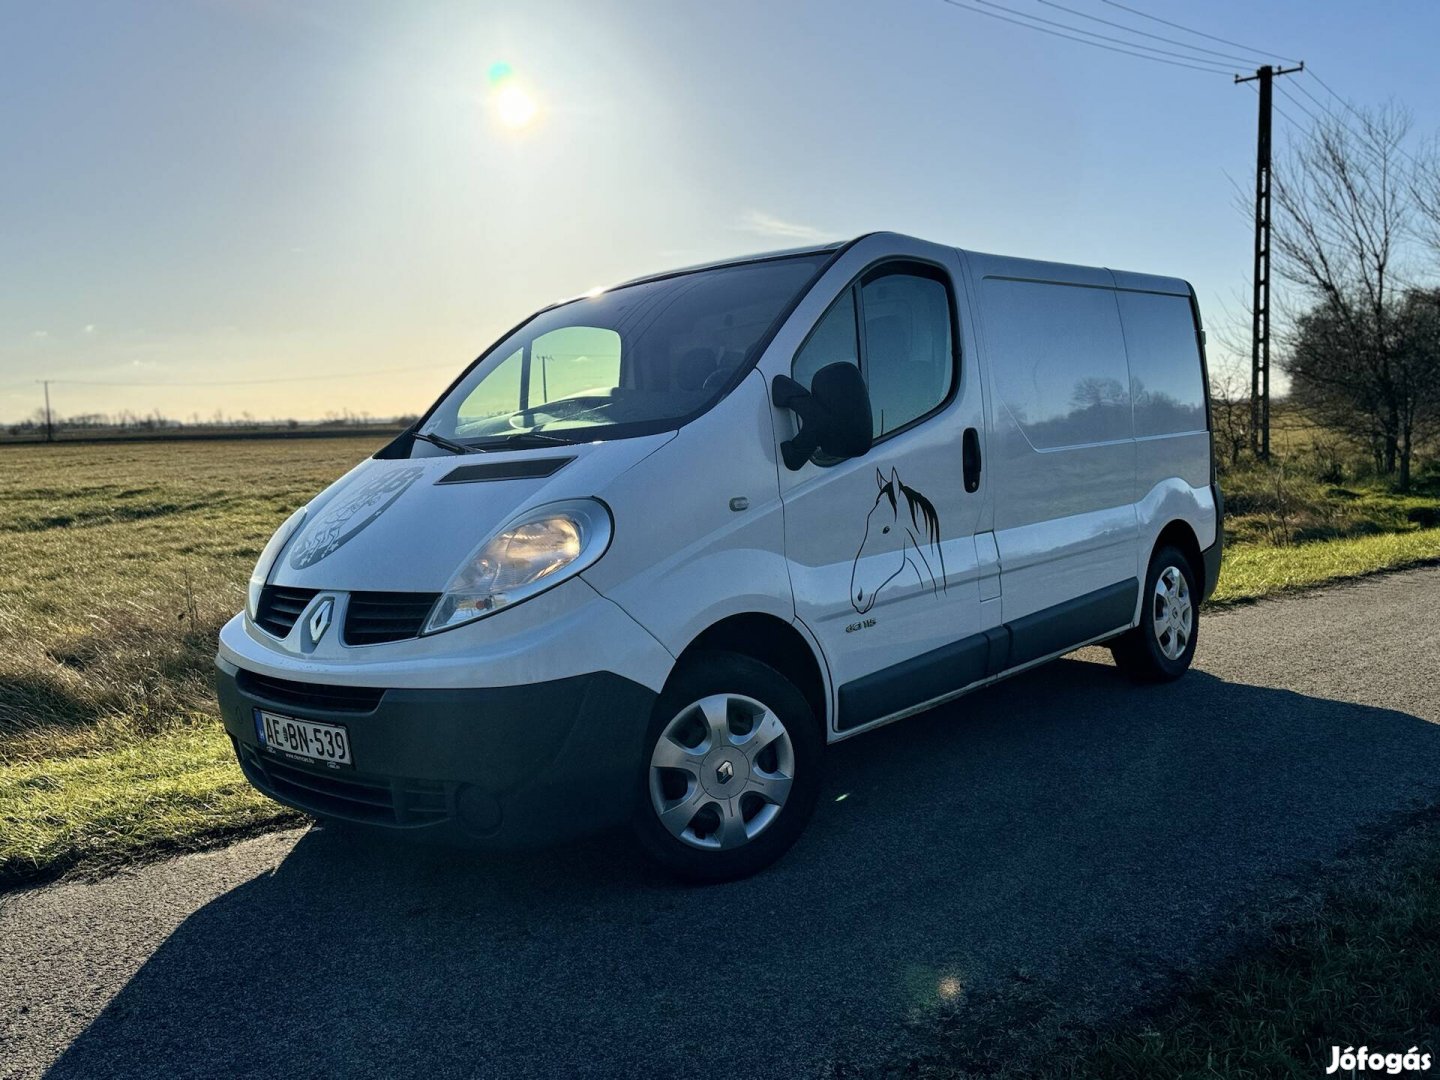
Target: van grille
(313,697)
(370,799)
(280,606)
(373,617)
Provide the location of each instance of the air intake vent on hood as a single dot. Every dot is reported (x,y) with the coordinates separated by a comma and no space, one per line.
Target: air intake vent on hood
(522,469)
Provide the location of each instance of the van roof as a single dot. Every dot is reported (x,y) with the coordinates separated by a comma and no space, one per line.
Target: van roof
(739,260)
(983,265)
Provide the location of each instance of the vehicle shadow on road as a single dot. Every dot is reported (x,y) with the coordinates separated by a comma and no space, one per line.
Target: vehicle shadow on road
(1065,841)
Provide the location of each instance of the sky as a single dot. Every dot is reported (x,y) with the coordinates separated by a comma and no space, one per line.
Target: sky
(294,208)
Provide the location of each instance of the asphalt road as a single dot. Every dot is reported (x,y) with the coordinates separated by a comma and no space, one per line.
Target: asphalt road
(1046,852)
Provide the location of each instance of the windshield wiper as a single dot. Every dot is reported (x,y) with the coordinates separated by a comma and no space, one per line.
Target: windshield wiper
(445,444)
(527,438)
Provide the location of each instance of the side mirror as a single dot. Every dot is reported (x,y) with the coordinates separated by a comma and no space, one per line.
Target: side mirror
(834,414)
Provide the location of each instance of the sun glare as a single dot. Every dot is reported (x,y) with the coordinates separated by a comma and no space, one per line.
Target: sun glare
(515,108)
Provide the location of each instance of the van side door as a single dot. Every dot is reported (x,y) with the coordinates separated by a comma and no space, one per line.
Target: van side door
(1062,453)
(881,548)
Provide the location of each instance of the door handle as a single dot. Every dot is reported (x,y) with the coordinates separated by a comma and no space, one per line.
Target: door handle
(971,444)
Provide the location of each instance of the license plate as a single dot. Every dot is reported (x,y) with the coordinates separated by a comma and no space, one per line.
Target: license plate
(305,740)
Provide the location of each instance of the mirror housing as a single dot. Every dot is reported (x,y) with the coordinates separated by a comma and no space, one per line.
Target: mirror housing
(834,414)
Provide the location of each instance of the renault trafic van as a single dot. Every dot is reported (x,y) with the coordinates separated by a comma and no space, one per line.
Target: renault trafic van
(664,542)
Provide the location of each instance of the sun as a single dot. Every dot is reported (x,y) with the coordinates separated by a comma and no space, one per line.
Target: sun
(515,108)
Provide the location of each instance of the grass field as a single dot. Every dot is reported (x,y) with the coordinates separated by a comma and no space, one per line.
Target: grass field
(120,562)
(118,565)
(1359,968)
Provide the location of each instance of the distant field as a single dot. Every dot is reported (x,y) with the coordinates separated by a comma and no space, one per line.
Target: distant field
(119,563)
(202,433)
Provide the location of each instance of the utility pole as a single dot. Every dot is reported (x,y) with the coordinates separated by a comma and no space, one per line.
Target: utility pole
(1260,325)
(49,425)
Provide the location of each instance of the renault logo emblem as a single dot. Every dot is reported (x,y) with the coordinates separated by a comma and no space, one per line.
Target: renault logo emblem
(725,772)
(320,620)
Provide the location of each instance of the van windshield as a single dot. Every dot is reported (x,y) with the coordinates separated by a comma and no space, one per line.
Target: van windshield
(634,360)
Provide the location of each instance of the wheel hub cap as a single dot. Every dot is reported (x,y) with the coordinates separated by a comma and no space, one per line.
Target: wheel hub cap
(721,771)
(1173,613)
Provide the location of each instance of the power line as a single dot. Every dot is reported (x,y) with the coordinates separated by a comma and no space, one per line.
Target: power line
(1147,49)
(1199,33)
(1298,104)
(1157,37)
(1365,121)
(1326,86)
(1082,41)
(1296,124)
(1325,109)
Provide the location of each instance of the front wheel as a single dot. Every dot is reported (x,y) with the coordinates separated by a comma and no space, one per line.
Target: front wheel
(731,770)
(1161,647)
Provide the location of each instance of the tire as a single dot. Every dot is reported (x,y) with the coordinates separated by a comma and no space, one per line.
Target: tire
(1161,647)
(715,806)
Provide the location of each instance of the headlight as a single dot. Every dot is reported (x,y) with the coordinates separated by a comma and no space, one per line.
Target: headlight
(267,559)
(534,552)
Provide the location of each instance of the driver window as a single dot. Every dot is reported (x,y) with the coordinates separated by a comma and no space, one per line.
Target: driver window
(909,356)
(833,341)
(574,361)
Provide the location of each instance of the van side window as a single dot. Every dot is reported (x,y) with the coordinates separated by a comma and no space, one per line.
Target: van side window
(1165,375)
(909,354)
(1058,360)
(833,341)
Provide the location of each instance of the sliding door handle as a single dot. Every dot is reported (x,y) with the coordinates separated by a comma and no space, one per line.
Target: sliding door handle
(972,460)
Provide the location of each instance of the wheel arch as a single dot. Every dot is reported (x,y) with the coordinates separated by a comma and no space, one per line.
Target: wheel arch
(1180,534)
(775,643)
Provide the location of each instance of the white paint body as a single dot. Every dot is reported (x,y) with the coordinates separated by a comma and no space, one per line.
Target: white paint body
(1068,503)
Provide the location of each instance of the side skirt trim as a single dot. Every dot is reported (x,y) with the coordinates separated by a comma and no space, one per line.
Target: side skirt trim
(917,684)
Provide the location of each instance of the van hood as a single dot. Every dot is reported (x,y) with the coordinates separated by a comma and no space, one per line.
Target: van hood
(406,525)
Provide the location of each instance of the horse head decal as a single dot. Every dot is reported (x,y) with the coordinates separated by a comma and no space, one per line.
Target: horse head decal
(897,540)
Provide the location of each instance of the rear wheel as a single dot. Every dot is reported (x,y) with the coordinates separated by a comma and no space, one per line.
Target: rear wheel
(1162,646)
(731,770)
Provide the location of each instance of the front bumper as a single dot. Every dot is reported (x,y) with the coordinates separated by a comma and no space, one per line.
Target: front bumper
(501,767)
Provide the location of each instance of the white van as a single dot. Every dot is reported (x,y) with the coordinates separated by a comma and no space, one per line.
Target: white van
(663,542)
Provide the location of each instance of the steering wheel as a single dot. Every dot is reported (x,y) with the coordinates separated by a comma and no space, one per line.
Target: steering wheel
(561,409)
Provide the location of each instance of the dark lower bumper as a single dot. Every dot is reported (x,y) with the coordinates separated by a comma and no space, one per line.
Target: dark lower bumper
(504,767)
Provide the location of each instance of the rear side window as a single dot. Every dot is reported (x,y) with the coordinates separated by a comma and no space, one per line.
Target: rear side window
(1058,361)
(1166,379)
(897,325)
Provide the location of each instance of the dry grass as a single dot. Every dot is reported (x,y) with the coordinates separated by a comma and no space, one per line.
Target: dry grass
(118,565)
(1359,970)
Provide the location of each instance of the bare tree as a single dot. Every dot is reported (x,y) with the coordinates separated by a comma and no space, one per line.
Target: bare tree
(1230,409)
(1425,191)
(1346,207)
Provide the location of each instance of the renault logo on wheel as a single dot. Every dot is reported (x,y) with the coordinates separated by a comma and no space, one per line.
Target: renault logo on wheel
(320,620)
(725,772)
